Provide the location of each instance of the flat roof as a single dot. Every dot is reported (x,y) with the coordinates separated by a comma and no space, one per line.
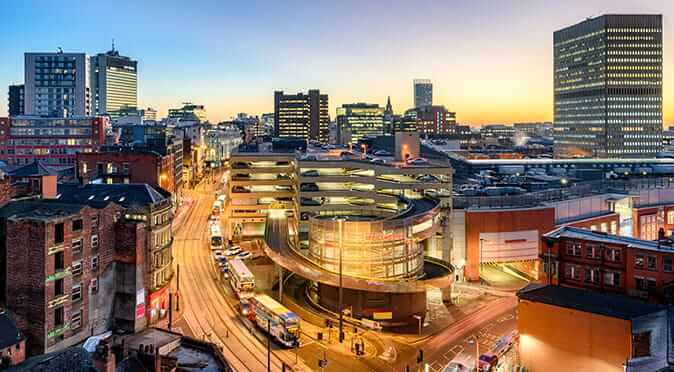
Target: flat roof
(611,305)
(598,236)
(546,161)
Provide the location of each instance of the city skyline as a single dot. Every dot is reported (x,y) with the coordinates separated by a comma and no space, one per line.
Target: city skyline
(231,58)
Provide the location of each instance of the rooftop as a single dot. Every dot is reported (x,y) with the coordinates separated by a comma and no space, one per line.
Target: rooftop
(35,168)
(602,237)
(9,333)
(98,195)
(71,359)
(39,209)
(611,305)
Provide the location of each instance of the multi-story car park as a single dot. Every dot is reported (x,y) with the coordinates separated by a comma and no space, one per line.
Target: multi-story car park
(400,210)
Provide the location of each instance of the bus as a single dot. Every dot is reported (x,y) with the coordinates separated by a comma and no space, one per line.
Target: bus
(215,236)
(217,207)
(272,317)
(241,279)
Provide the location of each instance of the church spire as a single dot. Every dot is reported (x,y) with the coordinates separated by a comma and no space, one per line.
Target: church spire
(389,109)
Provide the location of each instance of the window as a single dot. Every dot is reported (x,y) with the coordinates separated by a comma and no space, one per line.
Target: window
(77,224)
(76,319)
(94,242)
(652,262)
(94,263)
(58,317)
(614,227)
(58,288)
(639,261)
(641,344)
(76,294)
(573,249)
(640,284)
(94,285)
(651,285)
(667,264)
(592,275)
(592,251)
(613,254)
(612,279)
(58,233)
(77,246)
(94,222)
(76,268)
(59,262)
(572,272)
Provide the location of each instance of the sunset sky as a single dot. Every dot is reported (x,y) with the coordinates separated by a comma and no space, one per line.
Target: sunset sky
(490,61)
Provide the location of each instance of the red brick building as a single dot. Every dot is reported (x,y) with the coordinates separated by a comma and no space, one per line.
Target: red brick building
(53,141)
(127,165)
(58,267)
(609,263)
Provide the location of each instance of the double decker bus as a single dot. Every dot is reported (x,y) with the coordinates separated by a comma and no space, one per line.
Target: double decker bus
(241,279)
(274,318)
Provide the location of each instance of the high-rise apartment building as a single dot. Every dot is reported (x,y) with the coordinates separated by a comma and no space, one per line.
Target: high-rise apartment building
(423,92)
(15,100)
(302,115)
(357,120)
(431,120)
(114,83)
(608,87)
(56,84)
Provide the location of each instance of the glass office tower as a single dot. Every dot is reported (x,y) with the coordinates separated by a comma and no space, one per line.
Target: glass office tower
(114,81)
(357,120)
(423,92)
(608,87)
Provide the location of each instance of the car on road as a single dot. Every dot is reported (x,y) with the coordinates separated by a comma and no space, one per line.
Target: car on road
(233,251)
(244,255)
(456,367)
(488,361)
(218,255)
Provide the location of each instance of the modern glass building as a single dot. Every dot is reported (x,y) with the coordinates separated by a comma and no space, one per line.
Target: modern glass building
(423,92)
(357,120)
(56,84)
(114,83)
(16,93)
(302,115)
(608,87)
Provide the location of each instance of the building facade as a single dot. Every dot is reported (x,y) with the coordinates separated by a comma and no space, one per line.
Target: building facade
(53,141)
(608,87)
(423,93)
(358,120)
(57,84)
(302,115)
(189,112)
(114,83)
(431,119)
(16,100)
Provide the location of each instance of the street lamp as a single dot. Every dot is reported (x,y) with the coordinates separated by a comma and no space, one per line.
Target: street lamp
(479,258)
(418,318)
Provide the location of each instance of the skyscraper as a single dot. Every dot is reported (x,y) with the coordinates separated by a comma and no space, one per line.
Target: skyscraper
(56,84)
(423,92)
(302,115)
(114,83)
(357,120)
(608,87)
(15,100)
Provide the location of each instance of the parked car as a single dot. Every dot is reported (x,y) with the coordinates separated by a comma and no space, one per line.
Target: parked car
(308,157)
(378,161)
(428,178)
(382,153)
(233,251)
(309,202)
(456,367)
(283,188)
(218,256)
(240,189)
(310,173)
(309,187)
(488,361)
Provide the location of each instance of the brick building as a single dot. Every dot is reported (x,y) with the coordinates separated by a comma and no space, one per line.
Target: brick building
(115,164)
(54,141)
(58,267)
(149,214)
(432,119)
(609,263)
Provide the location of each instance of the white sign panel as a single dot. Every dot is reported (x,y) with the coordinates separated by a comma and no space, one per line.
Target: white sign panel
(509,246)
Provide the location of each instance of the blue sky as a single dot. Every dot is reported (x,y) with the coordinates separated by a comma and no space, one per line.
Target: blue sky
(491,61)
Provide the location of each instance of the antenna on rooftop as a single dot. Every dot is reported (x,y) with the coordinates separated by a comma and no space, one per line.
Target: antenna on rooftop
(59,50)
(113,44)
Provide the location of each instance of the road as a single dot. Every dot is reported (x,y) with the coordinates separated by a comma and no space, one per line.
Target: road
(206,311)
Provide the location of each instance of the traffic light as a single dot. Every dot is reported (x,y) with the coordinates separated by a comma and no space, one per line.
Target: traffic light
(420,357)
